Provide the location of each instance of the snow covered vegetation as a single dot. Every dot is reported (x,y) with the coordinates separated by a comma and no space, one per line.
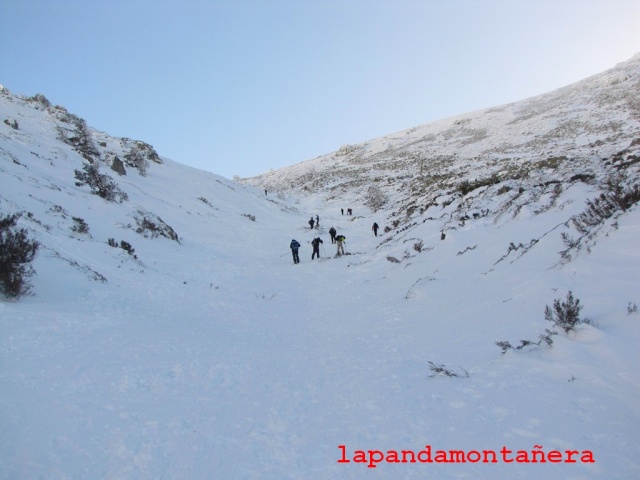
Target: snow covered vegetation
(153,324)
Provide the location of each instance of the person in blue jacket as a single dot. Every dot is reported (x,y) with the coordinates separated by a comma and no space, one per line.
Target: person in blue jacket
(294,250)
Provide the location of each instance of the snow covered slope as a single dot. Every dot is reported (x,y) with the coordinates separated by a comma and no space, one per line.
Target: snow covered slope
(550,137)
(209,354)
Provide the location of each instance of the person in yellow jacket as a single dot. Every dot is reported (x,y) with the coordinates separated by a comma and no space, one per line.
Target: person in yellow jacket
(340,240)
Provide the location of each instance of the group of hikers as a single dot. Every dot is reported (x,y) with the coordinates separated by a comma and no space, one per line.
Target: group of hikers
(339,240)
(315,222)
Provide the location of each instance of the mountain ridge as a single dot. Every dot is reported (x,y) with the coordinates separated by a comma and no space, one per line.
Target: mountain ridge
(592,119)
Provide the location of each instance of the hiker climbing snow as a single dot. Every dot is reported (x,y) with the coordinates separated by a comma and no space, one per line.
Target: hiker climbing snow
(294,250)
(340,239)
(332,232)
(315,243)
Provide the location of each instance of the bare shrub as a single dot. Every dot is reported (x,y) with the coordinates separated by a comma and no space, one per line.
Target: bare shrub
(443,371)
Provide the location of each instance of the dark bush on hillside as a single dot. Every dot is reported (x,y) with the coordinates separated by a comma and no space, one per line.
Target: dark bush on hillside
(565,315)
(616,199)
(124,245)
(79,225)
(100,184)
(466,186)
(17,252)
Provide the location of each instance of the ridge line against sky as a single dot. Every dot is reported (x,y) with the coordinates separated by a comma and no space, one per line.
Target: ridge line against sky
(241,87)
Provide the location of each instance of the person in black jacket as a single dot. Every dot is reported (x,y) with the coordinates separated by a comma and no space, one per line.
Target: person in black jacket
(375,229)
(294,250)
(332,232)
(316,247)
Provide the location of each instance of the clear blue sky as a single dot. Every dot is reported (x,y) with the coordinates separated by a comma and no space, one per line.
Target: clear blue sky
(242,86)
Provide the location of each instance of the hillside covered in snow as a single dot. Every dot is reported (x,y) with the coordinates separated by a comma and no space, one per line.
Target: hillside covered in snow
(168,333)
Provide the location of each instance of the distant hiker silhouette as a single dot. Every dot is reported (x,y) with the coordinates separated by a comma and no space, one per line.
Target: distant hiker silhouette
(311,222)
(294,250)
(317,221)
(315,243)
(375,229)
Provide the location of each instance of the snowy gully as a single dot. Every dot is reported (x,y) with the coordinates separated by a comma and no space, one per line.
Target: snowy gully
(428,455)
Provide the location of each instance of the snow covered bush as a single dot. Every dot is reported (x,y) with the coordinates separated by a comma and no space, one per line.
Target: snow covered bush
(79,225)
(100,184)
(466,186)
(136,158)
(41,99)
(543,337)
(617,198)
(126,246)
(346,150)
(375,198)
(13,123)
(74,131)
(151,225)
(565,315)
(17,252)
